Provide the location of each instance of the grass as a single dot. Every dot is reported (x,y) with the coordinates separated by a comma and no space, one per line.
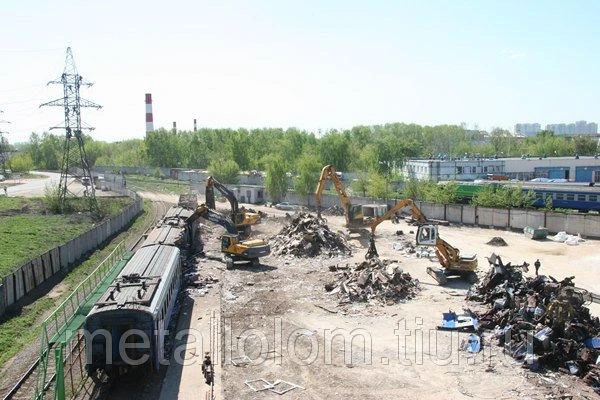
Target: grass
(19,331)
(151,184)
(27,231)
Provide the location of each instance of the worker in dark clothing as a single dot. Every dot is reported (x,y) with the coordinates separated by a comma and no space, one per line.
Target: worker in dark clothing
(207,369)
(537,265)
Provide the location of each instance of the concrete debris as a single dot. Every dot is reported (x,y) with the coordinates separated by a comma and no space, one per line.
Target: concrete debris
(373,281)
(539,320)
(410,250)
(308,236)
(497,241)
(194,279)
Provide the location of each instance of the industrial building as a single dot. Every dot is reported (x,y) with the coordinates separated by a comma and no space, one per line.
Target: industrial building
(573,169)
(462,169)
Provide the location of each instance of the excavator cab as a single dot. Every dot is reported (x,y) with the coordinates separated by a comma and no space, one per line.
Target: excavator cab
(453,263)
(427,235)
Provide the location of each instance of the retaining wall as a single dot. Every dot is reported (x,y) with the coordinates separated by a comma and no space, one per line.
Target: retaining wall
(24,279)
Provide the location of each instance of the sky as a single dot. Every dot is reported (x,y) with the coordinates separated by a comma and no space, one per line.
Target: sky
(314,65)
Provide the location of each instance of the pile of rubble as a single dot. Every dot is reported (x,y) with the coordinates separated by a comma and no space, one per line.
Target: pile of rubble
(540,320)
(374,280)
(497,241)
(308,236)
(333,210)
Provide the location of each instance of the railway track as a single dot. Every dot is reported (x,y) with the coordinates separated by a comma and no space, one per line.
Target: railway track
(25,387)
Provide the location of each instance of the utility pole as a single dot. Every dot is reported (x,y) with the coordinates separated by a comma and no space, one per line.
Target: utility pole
(74,163)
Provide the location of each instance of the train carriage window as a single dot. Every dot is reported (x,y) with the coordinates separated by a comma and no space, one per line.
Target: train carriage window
(539,195)
(559,196)
(592,197)
(570,196)
(581,197)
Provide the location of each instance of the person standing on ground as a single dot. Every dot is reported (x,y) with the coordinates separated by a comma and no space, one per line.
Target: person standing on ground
(537,265)
(5,190)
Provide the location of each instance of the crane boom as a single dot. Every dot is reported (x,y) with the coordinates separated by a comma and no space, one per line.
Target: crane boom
(353,214)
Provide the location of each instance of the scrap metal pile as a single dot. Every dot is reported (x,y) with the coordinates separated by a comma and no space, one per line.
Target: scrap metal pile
(308,236)
(540,320)
(374,280)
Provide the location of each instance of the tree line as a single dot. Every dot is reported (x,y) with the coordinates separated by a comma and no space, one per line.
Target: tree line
(293,157)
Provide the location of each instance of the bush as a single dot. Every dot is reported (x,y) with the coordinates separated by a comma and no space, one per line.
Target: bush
(21,163)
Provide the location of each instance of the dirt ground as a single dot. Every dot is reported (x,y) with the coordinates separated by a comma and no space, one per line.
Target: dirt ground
(291,329)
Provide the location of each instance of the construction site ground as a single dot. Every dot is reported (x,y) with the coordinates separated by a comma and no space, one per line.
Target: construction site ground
(281,318)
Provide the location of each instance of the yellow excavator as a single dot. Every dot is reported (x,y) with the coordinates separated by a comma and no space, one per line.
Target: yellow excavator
(353,213)
(242,219)
(233,248)
(452,262)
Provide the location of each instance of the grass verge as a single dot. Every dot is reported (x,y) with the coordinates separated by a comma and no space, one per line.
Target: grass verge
(18,331)
(27,230)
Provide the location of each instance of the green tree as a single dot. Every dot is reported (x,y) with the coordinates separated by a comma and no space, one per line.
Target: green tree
(20,163)
(276,180)
(379,186)
(361,184)
(225,171)
(308,168)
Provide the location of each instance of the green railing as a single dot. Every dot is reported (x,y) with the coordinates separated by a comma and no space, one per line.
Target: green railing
(56,324)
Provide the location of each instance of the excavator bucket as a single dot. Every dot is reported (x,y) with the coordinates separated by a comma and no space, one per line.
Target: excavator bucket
(372,251)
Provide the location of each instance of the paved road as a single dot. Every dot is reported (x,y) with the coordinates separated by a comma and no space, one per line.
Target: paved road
(33,187)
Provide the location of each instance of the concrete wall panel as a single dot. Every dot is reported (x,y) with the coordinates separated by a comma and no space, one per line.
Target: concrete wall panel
(38,270)
(469,215)
(454,213)
(47,265)
(518,219)
(9,287)
(28,277)
(55,257)
(575,224)
(592,226)
(485,216)
(535,218)
(556,222)
(500,218)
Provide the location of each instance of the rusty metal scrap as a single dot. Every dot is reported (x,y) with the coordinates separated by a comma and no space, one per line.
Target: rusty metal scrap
(539,320)
(308,236)
(374,280)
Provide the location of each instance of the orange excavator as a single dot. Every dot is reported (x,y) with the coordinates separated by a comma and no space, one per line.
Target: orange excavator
(353,213)
(452,262)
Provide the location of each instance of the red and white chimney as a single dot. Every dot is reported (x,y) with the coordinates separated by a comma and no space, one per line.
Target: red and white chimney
(149,117)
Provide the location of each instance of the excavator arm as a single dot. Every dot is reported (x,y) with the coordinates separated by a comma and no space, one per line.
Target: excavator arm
(202,211)
(350,212)
(415,211)
(213,183)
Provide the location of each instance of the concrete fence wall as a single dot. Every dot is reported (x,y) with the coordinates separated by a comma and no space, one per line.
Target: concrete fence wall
(587,225)
(24,279)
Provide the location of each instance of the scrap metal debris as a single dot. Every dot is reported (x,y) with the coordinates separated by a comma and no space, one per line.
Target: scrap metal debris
(541,321)
(373,280)
(497,241)
(308,236)
(279,386)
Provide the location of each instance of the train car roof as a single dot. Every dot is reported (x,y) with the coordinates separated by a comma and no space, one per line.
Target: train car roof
(140,281)
(178,213)
(166,234)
